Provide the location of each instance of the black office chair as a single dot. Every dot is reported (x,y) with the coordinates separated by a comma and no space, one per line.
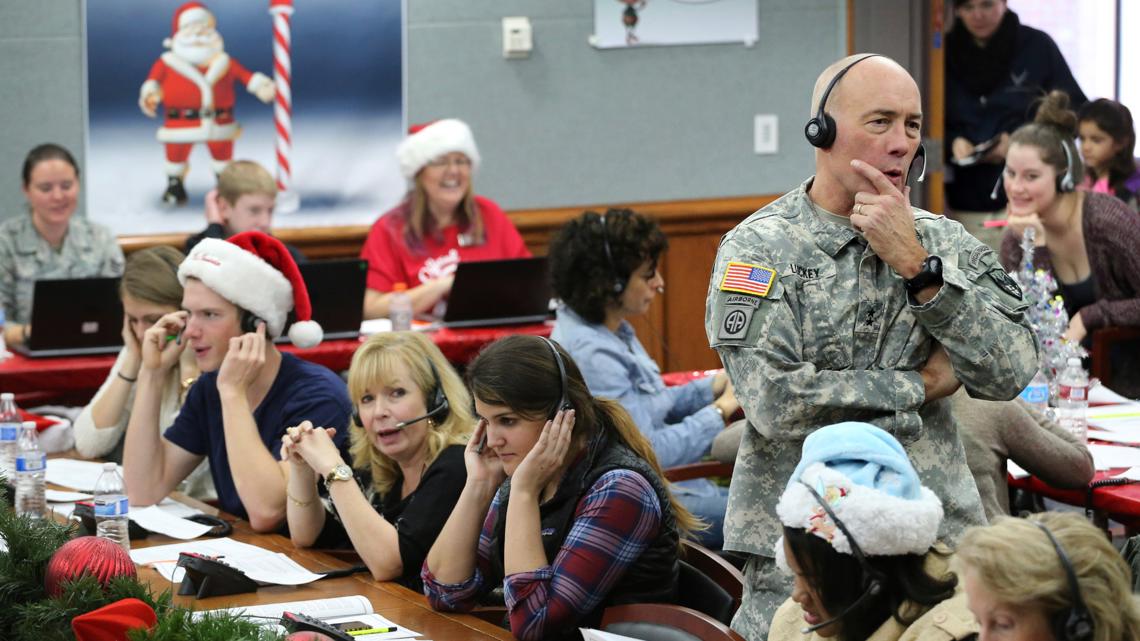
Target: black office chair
(665,622)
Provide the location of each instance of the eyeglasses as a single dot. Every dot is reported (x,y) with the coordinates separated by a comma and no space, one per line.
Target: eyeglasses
(459,162)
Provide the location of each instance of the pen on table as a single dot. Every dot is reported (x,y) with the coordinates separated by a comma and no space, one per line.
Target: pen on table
(360,633)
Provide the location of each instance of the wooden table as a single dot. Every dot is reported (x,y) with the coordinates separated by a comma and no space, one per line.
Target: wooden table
(390,600)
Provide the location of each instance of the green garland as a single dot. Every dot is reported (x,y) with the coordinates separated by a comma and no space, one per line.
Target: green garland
(27,613)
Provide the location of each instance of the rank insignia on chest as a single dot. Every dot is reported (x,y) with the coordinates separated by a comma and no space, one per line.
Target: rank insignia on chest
(747,278)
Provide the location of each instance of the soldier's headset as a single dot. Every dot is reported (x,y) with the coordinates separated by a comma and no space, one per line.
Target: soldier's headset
(1073,623)
(563,401)
(619,284)
(821,130)
(438,403)
(873,580)
(1065,180)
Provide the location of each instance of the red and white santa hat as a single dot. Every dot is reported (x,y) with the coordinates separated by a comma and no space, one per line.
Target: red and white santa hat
(188,14)
(429,141)
(254,271)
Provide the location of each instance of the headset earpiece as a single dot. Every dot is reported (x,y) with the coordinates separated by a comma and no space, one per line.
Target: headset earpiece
(919,155)
(439,404)
(1065,181)
(564,401)
(619,284)
(356,418)
(249,322)
(820,130)
(1073,623)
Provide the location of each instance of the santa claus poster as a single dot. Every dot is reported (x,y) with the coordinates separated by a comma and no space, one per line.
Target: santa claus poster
(310,89)
(637,23)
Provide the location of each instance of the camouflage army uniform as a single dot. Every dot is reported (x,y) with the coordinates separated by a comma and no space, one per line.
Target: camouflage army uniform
(88,250)
(833,338)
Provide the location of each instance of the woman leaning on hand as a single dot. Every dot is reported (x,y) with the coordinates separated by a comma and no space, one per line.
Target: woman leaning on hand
(564,507)
(50,242)
(411,418)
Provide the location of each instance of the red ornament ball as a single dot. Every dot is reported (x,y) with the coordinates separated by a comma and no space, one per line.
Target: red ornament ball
(100,558)
(308,636)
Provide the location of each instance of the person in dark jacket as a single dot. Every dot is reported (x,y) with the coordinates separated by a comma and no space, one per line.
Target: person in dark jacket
(996,68)
(564,505)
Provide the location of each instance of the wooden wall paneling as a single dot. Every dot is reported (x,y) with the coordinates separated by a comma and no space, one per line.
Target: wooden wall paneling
(672,331)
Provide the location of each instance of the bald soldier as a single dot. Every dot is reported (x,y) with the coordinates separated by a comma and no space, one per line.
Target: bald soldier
(840,301)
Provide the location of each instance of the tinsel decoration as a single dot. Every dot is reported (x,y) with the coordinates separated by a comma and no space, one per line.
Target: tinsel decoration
(101,558)
(1046,311)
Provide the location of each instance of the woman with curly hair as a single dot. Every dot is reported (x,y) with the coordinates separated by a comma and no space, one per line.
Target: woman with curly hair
(599,292)
(412,415)
(1019,576)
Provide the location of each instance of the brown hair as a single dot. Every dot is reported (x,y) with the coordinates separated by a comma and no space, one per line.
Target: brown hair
(373,364)
(1017,562)
(419,222)
(520,372)
(242,177)
(46,151)
(151,275)
(1052,131)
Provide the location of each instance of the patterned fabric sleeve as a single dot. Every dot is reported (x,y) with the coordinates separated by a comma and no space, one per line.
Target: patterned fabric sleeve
(613,525)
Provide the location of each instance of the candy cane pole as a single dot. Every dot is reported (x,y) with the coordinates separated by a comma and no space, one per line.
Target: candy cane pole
(282,12)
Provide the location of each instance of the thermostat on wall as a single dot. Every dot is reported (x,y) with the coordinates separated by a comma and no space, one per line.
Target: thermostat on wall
(517,37)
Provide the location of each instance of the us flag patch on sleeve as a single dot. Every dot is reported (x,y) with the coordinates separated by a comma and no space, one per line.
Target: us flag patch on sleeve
(747,278)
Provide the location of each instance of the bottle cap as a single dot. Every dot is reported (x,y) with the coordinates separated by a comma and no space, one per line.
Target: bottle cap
(400,287)
(29,425)
(109,466)
(7,396)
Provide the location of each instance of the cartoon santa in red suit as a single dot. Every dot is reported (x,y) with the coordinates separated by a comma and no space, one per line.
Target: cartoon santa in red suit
(194,81)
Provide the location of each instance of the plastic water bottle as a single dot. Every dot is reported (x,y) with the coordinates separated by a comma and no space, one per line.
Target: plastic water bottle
(9,434)
(400,308)
(30,466)
(112,508)
(1037,393)
(1073,399)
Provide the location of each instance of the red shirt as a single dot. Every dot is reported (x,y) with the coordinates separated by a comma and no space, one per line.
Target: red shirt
(391,261)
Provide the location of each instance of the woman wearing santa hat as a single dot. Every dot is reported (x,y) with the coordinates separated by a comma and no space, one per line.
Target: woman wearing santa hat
(440,223)
(51,242)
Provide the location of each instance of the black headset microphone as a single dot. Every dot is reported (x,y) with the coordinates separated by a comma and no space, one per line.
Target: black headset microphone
(1074,623)
(821,130)
(439,403)
(874,579)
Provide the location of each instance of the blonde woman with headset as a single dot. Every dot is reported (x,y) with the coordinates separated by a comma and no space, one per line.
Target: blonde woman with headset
(412,415)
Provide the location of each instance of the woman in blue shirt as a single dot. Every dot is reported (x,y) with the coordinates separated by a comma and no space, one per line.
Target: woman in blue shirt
(599,291)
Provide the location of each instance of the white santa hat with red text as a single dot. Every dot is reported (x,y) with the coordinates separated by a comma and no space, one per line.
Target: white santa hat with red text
(432,140)
(254,271)
(186,15)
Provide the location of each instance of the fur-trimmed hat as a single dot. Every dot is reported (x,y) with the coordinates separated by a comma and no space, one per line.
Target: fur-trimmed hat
(254,271)
(430,141)
(186,15)
(869,483)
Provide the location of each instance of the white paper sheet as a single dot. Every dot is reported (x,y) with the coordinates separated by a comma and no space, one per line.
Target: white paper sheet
(1131,473)
(156,519)
(75,474)
(1107,457)
(590,634)
(277,569)
(225,547)
(62,496)
(1101,394)
(1113,437)
(1015,470)
(257,563)
(344,606)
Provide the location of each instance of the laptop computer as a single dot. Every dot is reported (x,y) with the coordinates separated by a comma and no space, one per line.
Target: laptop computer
(499,292)
(74,316)
(336,293)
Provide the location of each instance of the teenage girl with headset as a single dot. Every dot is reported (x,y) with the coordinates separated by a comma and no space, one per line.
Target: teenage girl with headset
(411,418)
(1108,140)
(1089,241)
(1051,577)
(564,507)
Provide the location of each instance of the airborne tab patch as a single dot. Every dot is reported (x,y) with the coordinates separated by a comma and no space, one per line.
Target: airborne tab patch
(747,278)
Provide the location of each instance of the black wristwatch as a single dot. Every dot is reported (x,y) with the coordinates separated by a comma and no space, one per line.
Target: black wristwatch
(931,274)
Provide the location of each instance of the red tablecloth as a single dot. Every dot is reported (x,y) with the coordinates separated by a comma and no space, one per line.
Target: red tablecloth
(66,379)
(1120,502)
